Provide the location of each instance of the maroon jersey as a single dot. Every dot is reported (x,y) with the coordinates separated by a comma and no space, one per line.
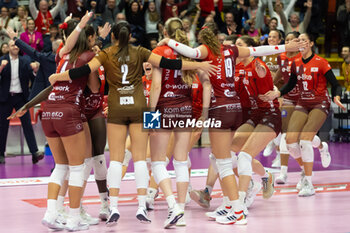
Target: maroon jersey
(256,86)
(173,88)
(311,78)
(70,92)
(285,64)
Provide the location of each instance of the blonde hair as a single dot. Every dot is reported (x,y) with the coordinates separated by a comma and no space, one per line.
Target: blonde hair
(174,28)
(209,37)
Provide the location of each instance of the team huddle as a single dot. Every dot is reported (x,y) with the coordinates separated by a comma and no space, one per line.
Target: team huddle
(232,84)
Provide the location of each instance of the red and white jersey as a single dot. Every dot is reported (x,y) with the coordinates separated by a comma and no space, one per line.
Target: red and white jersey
(146,87)
(256,86)
(311,77)
(223,86)
(239,86)
(285,64)
(70,91)
(173,88)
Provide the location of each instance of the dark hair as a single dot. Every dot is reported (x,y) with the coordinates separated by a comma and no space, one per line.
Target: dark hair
(248,40)
(82,43)
(274,18)
(232,37)
(294,33)
(280,36)
(310,36)
(121,32)
(71,24)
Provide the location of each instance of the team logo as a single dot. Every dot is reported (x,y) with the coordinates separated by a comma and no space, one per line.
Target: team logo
(284,113)
(151,120)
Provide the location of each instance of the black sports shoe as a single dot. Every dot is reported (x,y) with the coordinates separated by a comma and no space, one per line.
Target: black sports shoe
(37,156)
(2,159)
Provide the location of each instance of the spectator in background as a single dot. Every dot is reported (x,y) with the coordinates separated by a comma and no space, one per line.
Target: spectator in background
(110,12)
(222,37)
(160,28)
(152,18)
(44,19)
(252,31)
(229,26)
(20,20)
(207,6)
(54,33)
(271,25)
(190,28)
(294,23)
(287,10)
(97,6)
(10,4)
(4,49)
(76,8)
(153,43)
(167,6)
(255,11)
(32,37)
(345,53)
(343,17)
(5,22)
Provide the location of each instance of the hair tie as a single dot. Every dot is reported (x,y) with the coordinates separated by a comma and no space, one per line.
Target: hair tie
(64,26)
(204,27)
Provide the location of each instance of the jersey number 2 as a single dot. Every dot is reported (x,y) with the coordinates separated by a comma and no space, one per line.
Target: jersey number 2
(125,71)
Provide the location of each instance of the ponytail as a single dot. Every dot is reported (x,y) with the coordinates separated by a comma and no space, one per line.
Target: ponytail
(121,33)
(208,35)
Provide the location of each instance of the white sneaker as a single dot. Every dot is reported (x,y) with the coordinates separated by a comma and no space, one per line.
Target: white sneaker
(141,215)
(307,189)
(325,155)
(277,161)
(76,224)
(281,179)
(151,196)
(233,217)
(104,211)
(174,214)
(87,218)
(62,215)
(222,210)
(300,183)
(50,221)
(181,222)
(269,148)
(113,218)
(268,186)
(254,188)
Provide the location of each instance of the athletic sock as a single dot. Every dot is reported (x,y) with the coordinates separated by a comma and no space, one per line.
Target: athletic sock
(142,201)
(284,170)
(171,201)
(113,203)
(208,189)
(182,206)
(242,196)
(51,205)
(104,197)
(309,179)
(60,202)
(74,212)
(236,205)
(266,175)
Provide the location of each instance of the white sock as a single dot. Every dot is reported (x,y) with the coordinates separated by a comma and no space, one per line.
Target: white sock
(284,170)
(113,203)
(308,178)
(236,205)
(209,189)
(182,206)
(60,202)
(74,212)
(51,205)
(302,168)
(171,201)
(104,197)
(225,200)
(266,175)
(151,192)
(142,201)
(242,196)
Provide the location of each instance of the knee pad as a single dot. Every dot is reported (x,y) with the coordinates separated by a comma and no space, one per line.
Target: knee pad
(149,164)
(245,164)
(316,142)
(114,174)
(189,163)
(141,174)
(127,158)
(294,150)
(76,175)
(277,140)
(213,163)
(283,145)
(234,159)
(100,167)
(224,167)
(59,174)
(307,151)
(159,171)
(87,168)
(181,171)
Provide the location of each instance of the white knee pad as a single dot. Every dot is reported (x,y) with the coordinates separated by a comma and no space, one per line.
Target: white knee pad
(283,145)
(181,171)
(294,150)
(159,171)
(277,139)
(59,174)
(100,167)
(149,164)
(224,167)
(316,142)
(127,157)
(76,175)
(213,162)
(114,174)
(189,163)
(307,151)
(141,174)
(234,159)
(245,164)
(87,168)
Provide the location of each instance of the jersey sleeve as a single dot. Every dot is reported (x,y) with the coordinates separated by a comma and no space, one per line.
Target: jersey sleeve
(325,66)
(145,54)
(158,51)
(102,57)
(264,84)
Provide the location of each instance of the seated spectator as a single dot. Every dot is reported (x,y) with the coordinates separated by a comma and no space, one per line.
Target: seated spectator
(287,10)
(5,22)
(166,8)
(294,23)
(346,67)
(343,17)
(271,25)
(32,37)
(229,26)
(54,33)
(252,31)
(20,20)
(110,12)
(4,49)
(10,4)
(151,20)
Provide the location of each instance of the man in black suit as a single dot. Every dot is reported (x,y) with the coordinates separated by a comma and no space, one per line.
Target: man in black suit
(15,75)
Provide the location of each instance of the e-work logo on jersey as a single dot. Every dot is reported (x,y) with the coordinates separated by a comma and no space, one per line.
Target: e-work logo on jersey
(151,120)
